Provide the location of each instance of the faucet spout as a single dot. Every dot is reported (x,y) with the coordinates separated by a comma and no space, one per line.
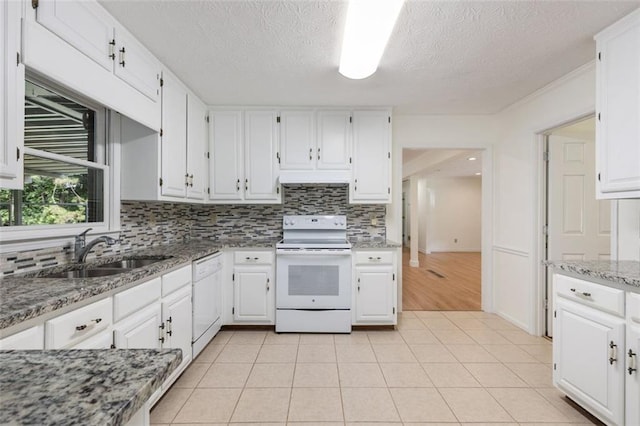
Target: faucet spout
(82,249)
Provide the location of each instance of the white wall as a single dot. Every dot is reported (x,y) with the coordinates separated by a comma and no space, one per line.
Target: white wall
(451,217)
(628,224)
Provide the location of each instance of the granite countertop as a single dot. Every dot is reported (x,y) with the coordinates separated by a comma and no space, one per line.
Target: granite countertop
(373,243)
(27,296)
(625,272)
(82,387)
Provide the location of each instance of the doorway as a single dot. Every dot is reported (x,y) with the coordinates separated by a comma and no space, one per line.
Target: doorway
(442,194)
(577,226)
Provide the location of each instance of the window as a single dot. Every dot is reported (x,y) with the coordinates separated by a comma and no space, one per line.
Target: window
(65,176)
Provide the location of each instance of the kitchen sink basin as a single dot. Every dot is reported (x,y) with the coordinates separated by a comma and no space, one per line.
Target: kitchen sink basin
(131,263)
(85,273)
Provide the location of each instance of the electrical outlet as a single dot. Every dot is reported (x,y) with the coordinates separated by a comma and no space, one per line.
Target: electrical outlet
(374,221)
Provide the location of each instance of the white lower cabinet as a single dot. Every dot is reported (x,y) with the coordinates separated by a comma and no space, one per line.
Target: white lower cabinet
(374,288)
(31,338)
(632,376)
(177,320)
(70,329)
(140,330)
(102,340)
(252,290)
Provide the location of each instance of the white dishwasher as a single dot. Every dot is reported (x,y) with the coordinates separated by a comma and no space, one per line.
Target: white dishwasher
(207,300)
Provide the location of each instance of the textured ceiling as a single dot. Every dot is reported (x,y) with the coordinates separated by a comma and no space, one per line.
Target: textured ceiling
(443,57)
(444,162)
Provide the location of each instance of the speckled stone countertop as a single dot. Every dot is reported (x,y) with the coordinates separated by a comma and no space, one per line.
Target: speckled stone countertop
(625,273)
(80,387)
(27,296)
(373,243)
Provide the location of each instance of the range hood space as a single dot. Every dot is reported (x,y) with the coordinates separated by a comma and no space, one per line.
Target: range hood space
(315,176)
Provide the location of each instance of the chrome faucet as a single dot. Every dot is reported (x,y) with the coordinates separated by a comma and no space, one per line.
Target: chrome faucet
(82,249)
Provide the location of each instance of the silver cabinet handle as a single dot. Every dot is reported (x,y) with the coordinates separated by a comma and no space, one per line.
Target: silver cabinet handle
(246,184)
(632,362)
(122,52)
(91,323)
(584,293)
(310,154)
(267,284)
(318,153)
(238,185)
(169,327)
(190,180)
(161,328)
(112,49)
(613,352)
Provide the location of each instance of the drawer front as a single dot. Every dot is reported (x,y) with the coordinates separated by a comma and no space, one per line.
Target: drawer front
(136,298)
(598,296)
(102,340)
(176,280)
(71,328)
(633,307)
(374,257)
(253,257)
(31,338)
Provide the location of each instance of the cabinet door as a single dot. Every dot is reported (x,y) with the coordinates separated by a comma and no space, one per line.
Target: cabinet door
(225,155)
(84,25)
(11,97)
(174,138)
(633,375)
(584,341)
(618,102)
(177,318)
(252,294)
(196,148)
(374,294)
(334,140)
(297,140)
(102,340)
(261,163)
(31,338)
(136,66)
(371,157)
(141,330)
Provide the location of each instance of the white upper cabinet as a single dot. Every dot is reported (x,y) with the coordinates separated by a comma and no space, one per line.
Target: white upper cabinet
(135,65)
(333,150)
(618,109)
(261,150)
(173,136)
(197,130)
(11,97)
(226,155)
(297,140)
(371,182)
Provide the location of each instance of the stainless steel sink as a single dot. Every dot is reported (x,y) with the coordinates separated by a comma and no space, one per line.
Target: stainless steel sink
(131,263)
(86,273)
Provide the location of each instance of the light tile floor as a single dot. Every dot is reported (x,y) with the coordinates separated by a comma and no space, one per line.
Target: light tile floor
(452,368)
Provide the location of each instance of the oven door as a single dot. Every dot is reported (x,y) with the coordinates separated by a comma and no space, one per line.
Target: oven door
(313,279)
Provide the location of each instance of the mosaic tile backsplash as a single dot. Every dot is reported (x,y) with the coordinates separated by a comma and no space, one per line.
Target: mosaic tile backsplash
(151,223)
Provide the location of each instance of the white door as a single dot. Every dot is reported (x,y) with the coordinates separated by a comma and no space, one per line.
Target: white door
(585,341)
(371,157)
(579,226)
(140,330)
(226,173)
(632,374)
(252,290)
(333,150)
(177,317)
(136,66)
(374,294)
(261,163)
(174,138)
(297,140)
(196,148)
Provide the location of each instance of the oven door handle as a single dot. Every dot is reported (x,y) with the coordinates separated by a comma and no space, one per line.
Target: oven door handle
(296,253)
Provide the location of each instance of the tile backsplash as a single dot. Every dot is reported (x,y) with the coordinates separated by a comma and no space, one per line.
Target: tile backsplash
(151,223)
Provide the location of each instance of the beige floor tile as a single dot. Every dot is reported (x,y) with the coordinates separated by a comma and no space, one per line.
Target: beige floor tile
(257,424)
(355,338)
(282,339)
(495,376)
(428,314)
(355,353)
(535,375)
(316,353)
(411,324)
(277,353)
(167,408)
(405,376)
(498,323)
(361,376)
(483,315)
(191,376)
(510,353)
(407,314)
(474,405)
(488,337)
(393,353)
(442,323)
(564,405)
(238,353)
(421,405)
(368,405)
(459,314)
(262,405)
(490,424)
(222,337)
(208,405)
(432,353)
(316,376)
(316,405)
(209,353)
(316,339)
(526,405)
(246,337)
(271,376)
(543,353)
(225,375)
(385,337)
(199,424)
(450,376)
(314,424)
(382,424)
(453,337)
(470,324)
(520,337)
(418,336)
(471,353)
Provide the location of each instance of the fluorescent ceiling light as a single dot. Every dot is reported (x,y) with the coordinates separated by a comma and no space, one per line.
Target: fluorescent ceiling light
(472,158)
(369,25)
(478,174)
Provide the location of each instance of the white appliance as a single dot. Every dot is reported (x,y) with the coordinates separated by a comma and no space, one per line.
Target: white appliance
(207,300)
(313,271)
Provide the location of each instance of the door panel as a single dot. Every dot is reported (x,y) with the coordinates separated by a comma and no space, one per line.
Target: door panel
(297,140)
(251,289)
(196,148)
(334,140)
(139,331)
(261,164)
(174,138)
(135,65)
(226,154)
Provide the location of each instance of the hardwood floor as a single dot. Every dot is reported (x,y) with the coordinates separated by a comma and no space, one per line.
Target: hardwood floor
(443,282)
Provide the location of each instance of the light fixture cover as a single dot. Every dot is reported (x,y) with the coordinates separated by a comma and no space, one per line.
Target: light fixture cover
(368,28)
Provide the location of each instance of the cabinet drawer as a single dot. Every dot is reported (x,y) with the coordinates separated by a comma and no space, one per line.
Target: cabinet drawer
(595,295)
(70,328)
(135,298)
(633,307)
(31,338)
(102,340)
(374,257)
(176,280)
(253,257)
